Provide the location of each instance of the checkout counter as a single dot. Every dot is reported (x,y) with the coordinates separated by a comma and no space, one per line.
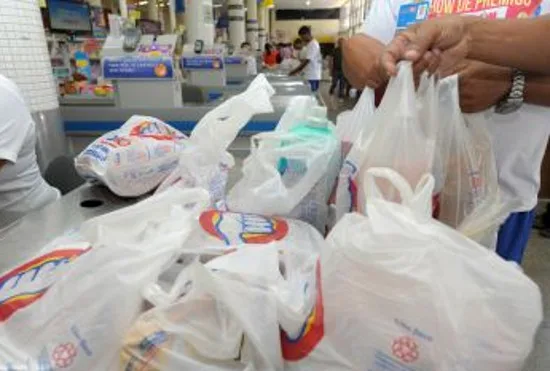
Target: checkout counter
(152,80)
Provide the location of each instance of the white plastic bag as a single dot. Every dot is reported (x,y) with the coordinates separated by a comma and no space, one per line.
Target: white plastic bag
(402,291)
(134,159)
(401,135)
(79,323)
(205,162)
(350,124)
(470,199)
(226,315)
(290,174)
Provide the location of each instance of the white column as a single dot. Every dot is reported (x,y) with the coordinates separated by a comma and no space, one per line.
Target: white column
(199,21)
(123,8)
(252,23)
(25,60)
(271,27)
(262,25)
(235,10)
(172,10)
(153,10)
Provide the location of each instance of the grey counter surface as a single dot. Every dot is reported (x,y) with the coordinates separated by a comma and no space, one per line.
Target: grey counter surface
(27,236)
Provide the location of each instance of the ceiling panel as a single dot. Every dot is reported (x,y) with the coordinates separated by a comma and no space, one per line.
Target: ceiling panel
(313,4)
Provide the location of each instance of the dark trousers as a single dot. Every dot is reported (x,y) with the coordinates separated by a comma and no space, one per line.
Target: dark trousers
(339,80)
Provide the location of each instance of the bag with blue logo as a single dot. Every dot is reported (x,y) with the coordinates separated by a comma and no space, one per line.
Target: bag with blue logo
(78,316)
(134,159)
(402,291)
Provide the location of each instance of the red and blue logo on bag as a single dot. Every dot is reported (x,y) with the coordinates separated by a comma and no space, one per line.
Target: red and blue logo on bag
(299,347)
(236,228)
(16,279)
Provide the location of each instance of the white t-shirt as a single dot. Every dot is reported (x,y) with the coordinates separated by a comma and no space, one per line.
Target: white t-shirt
(519,138)
(22,188)
(314,68)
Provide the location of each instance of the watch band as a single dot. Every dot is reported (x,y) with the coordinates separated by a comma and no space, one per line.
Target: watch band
(514,100)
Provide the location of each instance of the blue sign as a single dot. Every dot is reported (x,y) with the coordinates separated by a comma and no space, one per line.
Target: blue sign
(233,60)
(412,13)
(180,6)
(202,62)
(137,68)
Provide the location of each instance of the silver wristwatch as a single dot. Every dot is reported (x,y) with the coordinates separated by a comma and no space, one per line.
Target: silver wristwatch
(514,100)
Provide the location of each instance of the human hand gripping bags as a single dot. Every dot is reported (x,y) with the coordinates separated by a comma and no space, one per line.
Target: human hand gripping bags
(401,291)
(291,172)
(134,159)
(205,161)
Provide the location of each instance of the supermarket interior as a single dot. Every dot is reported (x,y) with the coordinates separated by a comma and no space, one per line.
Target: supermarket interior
(247,185)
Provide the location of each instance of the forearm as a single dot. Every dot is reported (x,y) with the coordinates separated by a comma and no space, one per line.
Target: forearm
(537,89)
(515,43)
(300,68)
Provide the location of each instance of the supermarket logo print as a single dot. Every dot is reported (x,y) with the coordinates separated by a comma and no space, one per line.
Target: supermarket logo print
(234,228)
(299,347)
(406,349)
(26,275)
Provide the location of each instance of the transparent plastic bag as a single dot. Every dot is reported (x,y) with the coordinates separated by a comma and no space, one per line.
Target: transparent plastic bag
(403,291)
(78,324)
(470,199)
(290,175)
(205,162)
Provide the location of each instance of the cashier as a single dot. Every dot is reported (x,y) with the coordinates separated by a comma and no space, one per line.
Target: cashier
(22,188)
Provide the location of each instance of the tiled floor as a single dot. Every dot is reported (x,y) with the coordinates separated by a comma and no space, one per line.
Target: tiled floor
(537,266)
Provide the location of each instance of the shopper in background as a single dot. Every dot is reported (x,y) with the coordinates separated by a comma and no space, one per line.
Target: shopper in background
(271,56)
(22,188)
(337,73)
(246,53)
(519,127)
(286,51)
(312,64)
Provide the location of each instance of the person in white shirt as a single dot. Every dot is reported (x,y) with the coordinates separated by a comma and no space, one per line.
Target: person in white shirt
(246,52)
(312,64)
(22,188)
(519,131)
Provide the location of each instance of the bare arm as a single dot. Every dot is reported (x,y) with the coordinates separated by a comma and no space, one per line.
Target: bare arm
(514,43)
(300,68)
(511,42)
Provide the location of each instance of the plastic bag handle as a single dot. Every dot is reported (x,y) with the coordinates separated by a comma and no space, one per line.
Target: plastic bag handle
(419,199)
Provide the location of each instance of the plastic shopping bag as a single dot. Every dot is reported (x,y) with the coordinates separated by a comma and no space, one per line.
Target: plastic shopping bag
(205,162)
(401,135)
(470,199)
(134,159)
(289,174)
(350,124)
(403,291)
(226,315)
(79,323)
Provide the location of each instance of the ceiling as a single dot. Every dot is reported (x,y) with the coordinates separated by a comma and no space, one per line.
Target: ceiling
(314,4)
